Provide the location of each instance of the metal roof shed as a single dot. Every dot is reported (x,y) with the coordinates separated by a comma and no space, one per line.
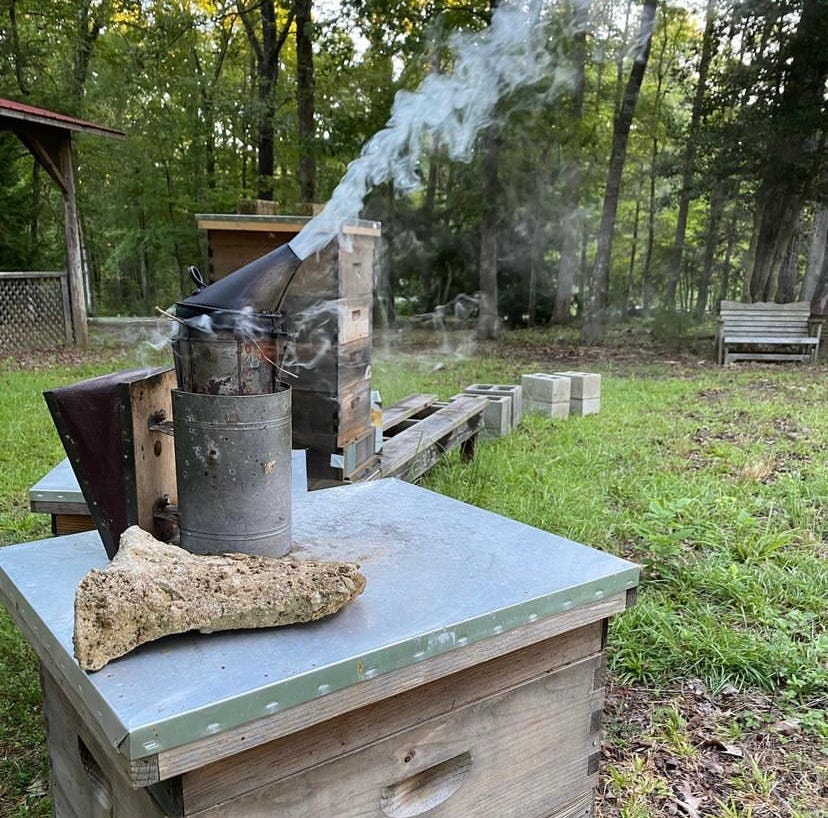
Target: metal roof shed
(48,136)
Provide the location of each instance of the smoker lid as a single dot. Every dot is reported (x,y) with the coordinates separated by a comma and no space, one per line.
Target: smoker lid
(257,287)
(442,576)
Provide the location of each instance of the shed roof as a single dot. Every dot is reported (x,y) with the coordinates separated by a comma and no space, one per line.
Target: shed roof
(18,111)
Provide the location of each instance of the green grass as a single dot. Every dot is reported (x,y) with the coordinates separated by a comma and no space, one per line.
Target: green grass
(713,479)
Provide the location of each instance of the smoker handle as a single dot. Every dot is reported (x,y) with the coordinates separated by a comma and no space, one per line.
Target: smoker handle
(426,789)
(196,276)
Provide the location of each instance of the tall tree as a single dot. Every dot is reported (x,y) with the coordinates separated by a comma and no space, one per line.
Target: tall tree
(594,323)
(266,39)
(794,151)
(208,76)
(816,253)
(16,50)
(487,319)
(305,100)
(571,170)
(488,324)
(689,165)
(91,19)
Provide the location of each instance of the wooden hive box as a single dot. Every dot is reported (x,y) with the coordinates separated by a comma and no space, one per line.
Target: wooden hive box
(328,358)
(466,682)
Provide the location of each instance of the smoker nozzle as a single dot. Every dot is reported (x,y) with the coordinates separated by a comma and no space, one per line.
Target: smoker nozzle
(259,286)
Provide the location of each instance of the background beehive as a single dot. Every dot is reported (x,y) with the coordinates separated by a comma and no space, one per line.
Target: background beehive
(328,307)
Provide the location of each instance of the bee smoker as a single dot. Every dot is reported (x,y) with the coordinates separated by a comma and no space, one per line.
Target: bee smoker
(232,413)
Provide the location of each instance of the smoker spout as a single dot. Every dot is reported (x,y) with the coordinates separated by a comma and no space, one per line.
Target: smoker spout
(259,286)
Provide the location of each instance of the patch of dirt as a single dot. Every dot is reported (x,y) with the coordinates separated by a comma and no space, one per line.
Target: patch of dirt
(36,359)
(691,753)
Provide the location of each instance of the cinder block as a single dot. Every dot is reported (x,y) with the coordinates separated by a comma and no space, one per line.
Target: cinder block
(546,388)
(585,385)
(559,409)
(590,406)
(512,391)
(497,417)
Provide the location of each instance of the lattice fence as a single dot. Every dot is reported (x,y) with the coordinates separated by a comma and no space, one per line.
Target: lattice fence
(34,311)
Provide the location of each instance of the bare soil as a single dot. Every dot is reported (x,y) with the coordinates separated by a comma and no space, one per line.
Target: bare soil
(688,752)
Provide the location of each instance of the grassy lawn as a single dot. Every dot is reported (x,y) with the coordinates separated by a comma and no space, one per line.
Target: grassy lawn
(713,479)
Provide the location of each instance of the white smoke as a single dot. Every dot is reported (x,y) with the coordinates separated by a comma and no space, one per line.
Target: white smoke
(448,109)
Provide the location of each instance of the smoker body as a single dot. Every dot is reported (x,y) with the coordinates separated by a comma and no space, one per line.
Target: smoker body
(228,362)
(233,469)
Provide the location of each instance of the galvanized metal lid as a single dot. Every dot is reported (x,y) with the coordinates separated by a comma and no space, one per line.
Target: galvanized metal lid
(442,575)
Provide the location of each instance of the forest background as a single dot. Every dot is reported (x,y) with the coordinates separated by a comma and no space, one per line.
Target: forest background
(674,157)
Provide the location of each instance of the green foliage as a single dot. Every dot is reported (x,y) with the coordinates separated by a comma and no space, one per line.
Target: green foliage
(178,78)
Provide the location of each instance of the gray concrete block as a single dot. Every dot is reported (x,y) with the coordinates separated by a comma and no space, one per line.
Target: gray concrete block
(497,417)
(546,388)
(559,409)
(590,406)
(584,385)
(512,391)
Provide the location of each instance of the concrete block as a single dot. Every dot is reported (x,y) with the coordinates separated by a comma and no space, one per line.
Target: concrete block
(497,417)
(512,391)
(589,406)
(560,409)
(546,388)
(585,385)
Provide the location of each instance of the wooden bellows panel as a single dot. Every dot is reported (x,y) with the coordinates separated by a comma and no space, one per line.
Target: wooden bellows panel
(123,467)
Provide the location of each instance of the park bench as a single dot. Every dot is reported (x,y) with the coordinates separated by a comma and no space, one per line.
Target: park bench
(766,332)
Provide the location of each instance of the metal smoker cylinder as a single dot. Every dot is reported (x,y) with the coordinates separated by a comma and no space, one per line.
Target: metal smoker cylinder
(232,457)
(231,414)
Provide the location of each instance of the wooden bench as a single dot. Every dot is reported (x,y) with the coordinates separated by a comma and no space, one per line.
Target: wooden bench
(766,332)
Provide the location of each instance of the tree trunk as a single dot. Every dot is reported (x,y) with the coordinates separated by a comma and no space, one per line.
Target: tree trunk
(634,246)
(646,273)
(788,272)
(794,153)
(571,173)
(305,100)
(774,225)
(594,324)
(711,241)
(816,254)
(90,25)
(19,68)
(677,253)
(207,89)
(266,50)
(487,322)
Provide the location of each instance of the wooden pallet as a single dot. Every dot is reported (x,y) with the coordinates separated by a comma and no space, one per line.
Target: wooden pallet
(421,431)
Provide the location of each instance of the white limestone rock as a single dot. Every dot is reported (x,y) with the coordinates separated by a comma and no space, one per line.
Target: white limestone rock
(152,589)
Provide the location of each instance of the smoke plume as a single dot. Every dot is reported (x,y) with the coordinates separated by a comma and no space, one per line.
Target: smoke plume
(448,109)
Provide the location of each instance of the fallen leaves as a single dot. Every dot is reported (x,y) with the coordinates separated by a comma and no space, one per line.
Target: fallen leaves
(692,753)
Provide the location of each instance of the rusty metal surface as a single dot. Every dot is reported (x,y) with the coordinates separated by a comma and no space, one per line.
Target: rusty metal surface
(233,467)
(227,363)
(442,576)
(91,417)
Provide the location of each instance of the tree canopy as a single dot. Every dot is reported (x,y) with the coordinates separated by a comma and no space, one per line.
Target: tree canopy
(721,191)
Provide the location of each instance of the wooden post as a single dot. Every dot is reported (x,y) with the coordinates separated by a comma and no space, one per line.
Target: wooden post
(74,265)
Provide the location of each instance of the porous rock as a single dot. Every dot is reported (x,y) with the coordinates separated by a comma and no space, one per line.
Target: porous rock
(152,589)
